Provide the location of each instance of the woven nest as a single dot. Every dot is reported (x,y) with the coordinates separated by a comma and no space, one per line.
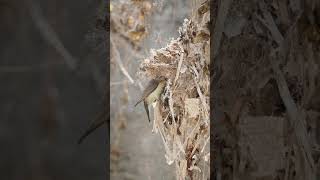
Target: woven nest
(181,117)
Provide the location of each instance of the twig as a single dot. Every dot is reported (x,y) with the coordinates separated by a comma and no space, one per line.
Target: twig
(219,26)
(205,143)
(195,71)
(269,23)
(119,62)
(140,86)
(191,133)
(171,105)
(165,119)
(294,114)
(179,67)
(295,117)
(49,34)
(202,98)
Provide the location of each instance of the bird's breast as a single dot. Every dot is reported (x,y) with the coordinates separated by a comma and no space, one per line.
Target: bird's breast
(154,95)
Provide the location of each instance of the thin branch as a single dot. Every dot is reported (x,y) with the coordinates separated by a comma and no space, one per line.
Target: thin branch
(179,67)
(49,34)
(219,26)
(294,115)
(269,23)
(119,62)
(202,98)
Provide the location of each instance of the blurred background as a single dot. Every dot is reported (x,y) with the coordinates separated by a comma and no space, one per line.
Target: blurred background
(52,76)
(53,60)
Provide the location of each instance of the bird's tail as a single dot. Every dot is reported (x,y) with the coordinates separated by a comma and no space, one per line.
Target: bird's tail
(137,103)
(102,119)
(147,109)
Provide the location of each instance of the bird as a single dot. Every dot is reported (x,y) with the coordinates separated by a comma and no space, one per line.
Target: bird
(151,93)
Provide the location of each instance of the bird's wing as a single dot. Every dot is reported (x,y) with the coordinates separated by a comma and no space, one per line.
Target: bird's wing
(153,84)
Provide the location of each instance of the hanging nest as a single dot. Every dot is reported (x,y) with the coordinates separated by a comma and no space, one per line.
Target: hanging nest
(181,117)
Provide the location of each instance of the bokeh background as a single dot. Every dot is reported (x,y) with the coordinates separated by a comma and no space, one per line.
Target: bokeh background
(45,103)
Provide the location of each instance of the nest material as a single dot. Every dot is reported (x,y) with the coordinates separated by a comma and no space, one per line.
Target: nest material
(182,114)
(262,105)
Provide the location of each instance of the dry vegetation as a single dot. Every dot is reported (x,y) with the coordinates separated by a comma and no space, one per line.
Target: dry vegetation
(266,90)
(182,115)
